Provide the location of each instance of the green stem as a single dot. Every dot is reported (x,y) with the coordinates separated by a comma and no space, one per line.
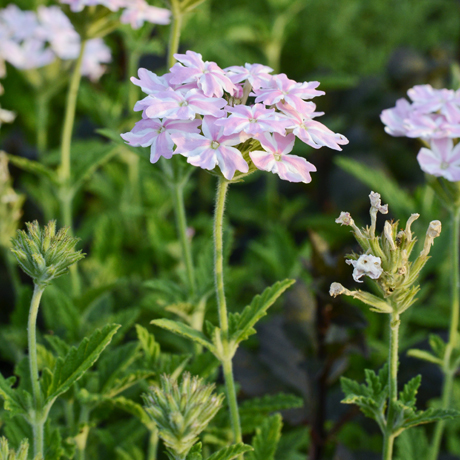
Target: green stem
(42,122)
(389,436)
(181,222)
(174,37)
(453,331)
(133,63)
(153,445)
(222,307)
(37,420)
(82,437)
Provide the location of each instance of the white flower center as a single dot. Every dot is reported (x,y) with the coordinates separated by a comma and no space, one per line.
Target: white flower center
(444,165)
(162,129)
(277,156)
(214,145)
(252,120)
(183,104)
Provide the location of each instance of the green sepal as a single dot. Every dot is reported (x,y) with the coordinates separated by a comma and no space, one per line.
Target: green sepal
(230,452)
(241,325)
(78,360)
(266,439)
(185,331)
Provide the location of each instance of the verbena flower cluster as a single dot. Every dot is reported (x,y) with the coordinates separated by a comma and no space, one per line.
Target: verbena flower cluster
(30,40)
(135,12)
(199,110)
(433,115)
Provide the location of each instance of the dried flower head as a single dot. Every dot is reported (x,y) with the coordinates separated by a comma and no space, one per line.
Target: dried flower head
(181,411)
(44,254)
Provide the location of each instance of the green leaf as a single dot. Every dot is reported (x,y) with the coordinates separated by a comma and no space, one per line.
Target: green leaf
(195,452)
(412,444)
(148,343)
(266,440)
(133,408)
(425,356)
(58,345)
(437,345)
(410,418)
(271,403)
(231,452)
(241,325)
(115,137)
(34,167)
(408,396)
(69,369)
(11,399)
(185,331)
(399,200)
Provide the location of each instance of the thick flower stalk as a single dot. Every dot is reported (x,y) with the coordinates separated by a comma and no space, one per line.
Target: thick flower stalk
(44,255)
(386,259)
(182,410)
(433,116)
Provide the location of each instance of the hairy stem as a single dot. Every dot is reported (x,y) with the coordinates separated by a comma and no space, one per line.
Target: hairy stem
(174,37)
(453,331)
(37,420)
(222,307)
(153,445)
(42,122)
(389,436)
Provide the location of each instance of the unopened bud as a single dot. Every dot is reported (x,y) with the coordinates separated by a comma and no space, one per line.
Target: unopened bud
(434,229)
(336,289)
(388,233)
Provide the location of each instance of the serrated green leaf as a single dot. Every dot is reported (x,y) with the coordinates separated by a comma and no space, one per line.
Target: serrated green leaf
(69,369)
(271,403)
(265,442)
(412,444)
(408,396)
(123,383)
(410,418)
(195,452)
(425,356)
(133,408)
(11,399)
(185,331)
(34,167)
(242,325)
(437,345)
(148,343)
(58,345)
(231,452)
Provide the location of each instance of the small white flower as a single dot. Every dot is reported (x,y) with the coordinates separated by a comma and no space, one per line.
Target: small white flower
(377,204)
(367,264)
(344,219)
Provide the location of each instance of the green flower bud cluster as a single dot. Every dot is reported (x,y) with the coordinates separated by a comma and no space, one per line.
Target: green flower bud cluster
(391,251)
(181,411)
(9,454)
(44,254)
(10,204)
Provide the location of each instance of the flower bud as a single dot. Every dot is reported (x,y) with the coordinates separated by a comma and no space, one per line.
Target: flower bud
(181,411)
(44,254)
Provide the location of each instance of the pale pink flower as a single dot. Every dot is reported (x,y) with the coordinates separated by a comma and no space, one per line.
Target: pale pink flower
(78,5)
(139,11)
(209,77)
(314,133)
(430,126)
(275,158)
(256,74)
(96,53)
(30,54)
(430,100)
(151,83)
(253,120)
(157,134)
(393,118)
(18,24)
(174,104)
(56,28)
(211,149)
(443,159)
(281,88)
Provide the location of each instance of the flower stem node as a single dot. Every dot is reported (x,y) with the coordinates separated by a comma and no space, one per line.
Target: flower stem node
(181,411)
(44,254)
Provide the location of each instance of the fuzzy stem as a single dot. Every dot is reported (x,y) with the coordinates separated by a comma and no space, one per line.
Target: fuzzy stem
(153,445)
(453,331)
(174,37)
(37,420)
(42,122)
(222,307)
(389,435)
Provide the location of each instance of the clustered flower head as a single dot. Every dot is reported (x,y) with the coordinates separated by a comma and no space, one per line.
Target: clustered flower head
(385,259)
(10,204)
(199,110)
(44,254)
(135,12)
(181,411)
(433,115)
(30,40)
